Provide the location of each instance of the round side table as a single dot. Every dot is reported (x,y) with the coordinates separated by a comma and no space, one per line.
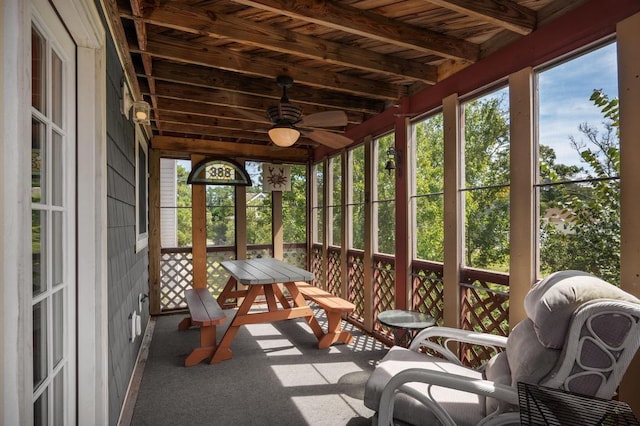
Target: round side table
(405,324)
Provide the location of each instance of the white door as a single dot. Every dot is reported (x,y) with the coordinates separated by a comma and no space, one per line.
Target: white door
(53,145)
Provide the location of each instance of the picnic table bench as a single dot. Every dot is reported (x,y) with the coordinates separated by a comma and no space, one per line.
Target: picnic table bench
(205,313)
(334,307)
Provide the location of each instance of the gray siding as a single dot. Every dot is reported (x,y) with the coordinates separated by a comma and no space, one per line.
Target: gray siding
(128,274)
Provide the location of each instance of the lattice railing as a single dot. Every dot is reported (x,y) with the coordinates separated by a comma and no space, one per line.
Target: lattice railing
(383,286)
(176,269)
(427,289)
(484,308)
(217,276)
(296,254)
(316,265)
(259,251)
(334,275)
(355,285)
(175,276)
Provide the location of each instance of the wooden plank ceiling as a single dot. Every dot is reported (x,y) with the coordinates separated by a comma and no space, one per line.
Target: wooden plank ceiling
(208,68)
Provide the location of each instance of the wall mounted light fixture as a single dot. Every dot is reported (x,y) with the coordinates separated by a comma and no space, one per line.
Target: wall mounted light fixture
(141,110)
(393,161)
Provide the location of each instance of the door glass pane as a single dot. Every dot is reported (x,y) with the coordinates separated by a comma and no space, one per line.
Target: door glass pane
(56,89)
(56,169)
(39,343)
(38,69)
(58,326)
(56,248)
(40,410)
(38,248)
(38,161)
(58,399)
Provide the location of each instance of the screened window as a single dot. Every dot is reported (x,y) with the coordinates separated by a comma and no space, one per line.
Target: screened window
(221,219)
(259,213)
(317,208)
(428,188)
(294,207)
(356,197)
(486,181)
(335,203)
(579,165)
(384,204)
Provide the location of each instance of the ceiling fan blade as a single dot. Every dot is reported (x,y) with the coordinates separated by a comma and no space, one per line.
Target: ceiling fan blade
(330,139)
(325,119)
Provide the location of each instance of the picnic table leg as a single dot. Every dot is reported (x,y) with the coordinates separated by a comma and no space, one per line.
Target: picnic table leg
(281,298)
(226,291)
(299,301)
(223,352)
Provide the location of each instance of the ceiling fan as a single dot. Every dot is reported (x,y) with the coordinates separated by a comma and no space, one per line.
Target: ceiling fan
(288,122)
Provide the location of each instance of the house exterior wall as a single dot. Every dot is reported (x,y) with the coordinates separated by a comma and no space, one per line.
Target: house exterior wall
(128,274)
(168,216)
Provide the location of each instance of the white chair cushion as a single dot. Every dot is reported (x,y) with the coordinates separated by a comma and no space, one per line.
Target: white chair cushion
(465,408)
(551,302)
(497,370)
(529,360)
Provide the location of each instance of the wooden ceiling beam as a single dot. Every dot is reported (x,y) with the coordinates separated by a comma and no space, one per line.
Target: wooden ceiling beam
(367,24)
(197,129)
(208,22)
(503,13)
(202,54)
(218,122)
(223,98)
(177,145)
(234,82)
(225,112)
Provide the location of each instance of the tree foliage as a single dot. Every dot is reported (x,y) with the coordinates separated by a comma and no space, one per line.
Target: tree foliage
(590,201)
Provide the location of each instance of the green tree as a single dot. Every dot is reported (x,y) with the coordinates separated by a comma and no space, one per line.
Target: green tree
(486,180)
(429,188)
(220,215)
(591,204)
(183,203)
(294,207)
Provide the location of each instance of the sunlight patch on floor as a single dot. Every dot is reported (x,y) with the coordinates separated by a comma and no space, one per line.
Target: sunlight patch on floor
(291,375)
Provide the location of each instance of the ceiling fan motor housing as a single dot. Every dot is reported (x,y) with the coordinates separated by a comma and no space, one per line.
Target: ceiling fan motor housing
(284,113)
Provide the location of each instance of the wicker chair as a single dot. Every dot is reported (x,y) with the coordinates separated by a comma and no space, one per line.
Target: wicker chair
(580,336)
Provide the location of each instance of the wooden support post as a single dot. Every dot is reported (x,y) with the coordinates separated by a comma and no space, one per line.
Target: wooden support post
(199,230)
(452,217)
(522,268)
(628,32)
(154,232)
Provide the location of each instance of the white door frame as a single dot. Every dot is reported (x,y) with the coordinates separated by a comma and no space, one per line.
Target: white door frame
(84,23)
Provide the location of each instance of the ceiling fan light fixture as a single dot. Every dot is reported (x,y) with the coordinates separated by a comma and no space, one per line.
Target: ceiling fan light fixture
(284,135)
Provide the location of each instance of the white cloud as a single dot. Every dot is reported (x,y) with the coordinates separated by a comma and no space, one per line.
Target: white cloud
(564,103)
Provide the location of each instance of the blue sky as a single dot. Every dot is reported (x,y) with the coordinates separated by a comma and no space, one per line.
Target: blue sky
(564,92)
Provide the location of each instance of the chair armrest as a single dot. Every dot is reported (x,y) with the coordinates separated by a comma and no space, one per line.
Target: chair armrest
(454,335)
(438,378)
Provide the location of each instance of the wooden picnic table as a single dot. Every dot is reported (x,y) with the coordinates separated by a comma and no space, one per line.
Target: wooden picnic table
(263,276)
